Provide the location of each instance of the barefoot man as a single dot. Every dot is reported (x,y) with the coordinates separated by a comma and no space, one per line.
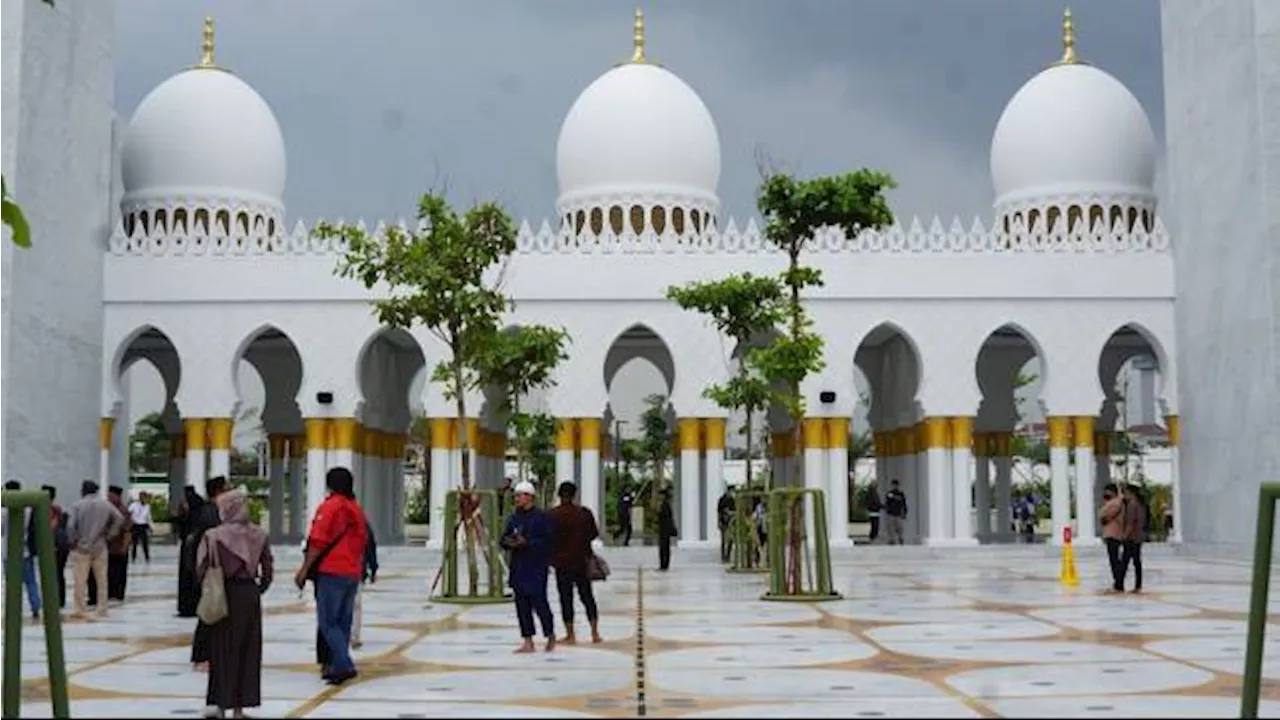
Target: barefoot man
(528,537)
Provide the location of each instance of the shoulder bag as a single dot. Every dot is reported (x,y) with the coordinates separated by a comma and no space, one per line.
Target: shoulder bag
(314,567)
(597,569)
(212,608)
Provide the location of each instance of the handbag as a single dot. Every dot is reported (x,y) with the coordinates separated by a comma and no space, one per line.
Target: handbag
(212,608)
(597,568)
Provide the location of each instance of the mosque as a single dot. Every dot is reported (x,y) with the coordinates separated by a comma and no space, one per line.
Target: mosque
(937,317)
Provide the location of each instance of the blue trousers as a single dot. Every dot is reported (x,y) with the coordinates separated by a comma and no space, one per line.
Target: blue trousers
(526,606)
(29,582)
(335,611)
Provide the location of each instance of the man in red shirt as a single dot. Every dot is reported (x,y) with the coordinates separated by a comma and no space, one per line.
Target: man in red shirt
(334,561)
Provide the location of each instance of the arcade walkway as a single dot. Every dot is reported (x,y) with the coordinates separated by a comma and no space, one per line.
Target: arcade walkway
(979,633)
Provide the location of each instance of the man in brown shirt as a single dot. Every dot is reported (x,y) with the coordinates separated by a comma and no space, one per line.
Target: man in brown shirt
(1135,531)
(574,527)
(1112,517)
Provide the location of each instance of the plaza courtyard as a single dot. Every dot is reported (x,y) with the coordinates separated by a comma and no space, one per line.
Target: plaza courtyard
(984,632)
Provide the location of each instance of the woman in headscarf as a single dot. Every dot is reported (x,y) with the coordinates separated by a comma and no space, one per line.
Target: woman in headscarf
(188,591)
(202,521)
(235,657)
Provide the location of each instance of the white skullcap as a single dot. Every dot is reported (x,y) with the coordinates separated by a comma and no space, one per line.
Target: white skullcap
(524,487)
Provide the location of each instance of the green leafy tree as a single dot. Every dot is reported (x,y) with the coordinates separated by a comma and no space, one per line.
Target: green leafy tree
(655,443)
(742,307)
(516,362)
(536,447)
(442,277)
(149,445)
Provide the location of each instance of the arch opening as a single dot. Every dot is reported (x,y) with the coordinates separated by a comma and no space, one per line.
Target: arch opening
(391,369)
(147,442)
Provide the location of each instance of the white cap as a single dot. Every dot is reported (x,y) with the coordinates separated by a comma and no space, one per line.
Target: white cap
(524,487)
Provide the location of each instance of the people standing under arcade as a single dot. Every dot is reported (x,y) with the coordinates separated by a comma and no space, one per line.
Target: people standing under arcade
(334,562)
(94,523)
(666,530)
(528,535)
(241,550)
(140,514)
(626,500)
(202,521)
(574,529)
(1111,515)
(1135,532)
(118,549)
(725,508)
(895,508)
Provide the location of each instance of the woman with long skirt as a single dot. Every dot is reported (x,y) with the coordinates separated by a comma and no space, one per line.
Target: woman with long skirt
(235,643)
(188,591)
(202,522)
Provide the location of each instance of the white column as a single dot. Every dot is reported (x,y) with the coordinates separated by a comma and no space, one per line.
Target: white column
(962,480)
(342,444)
(838,482)
(395,486)
(177,470)
(275,496)
(442,477)
(197,431)
(566,449)
(220,447)
(713,441)
(106,427)
(1004,485)
(589,495)
(1086,532)
(1174,426)
(940,481)
(982,487)
(690,430)
(372,478)
(317,441)
(1059,475)
(814,440)
(297,487)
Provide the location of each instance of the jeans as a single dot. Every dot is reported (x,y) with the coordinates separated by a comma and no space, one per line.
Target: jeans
(566,581)
(335,611)
(141,536)
(526,606)
(29,582)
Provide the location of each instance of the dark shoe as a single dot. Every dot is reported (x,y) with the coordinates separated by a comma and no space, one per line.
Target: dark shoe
(337,679)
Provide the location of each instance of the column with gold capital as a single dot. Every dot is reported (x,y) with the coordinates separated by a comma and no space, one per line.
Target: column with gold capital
(713,441)
(566,450)
(982,485)
(1002,451)
(317,442)
(106,430)
(962,480)
(220,447)
(443,479)
(589,494)
(1086,532)
(297,450)
(813,438)
(275,486)
(938,505)
(1059,474)
(1174,426)
(690,505)
(197,432)
(838,482)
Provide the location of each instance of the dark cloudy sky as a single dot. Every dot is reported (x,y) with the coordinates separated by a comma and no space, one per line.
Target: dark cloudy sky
(379,99)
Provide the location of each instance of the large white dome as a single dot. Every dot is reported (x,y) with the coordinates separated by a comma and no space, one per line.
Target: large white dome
(638,129)
(1072,129)
(204,132)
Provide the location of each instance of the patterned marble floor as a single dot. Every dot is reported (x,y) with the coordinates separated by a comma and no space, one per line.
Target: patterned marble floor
(973,633)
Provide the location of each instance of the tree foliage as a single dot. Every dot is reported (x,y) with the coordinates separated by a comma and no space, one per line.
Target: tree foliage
(149,445)
(440,277)
(743,308)
(655,441)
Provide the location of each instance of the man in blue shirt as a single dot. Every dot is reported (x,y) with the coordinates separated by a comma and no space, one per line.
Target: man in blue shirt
(528,537)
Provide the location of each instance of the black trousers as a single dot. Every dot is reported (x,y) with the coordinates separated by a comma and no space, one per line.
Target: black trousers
(624,529)
(664,552)
(117,576)
(875,527)
(566,582)
(526,607)
(1132,554)
(1113,558)
(63,554)
(141,536)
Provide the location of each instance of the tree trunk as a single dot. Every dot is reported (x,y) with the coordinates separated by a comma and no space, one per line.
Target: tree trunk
(464,444)
(750,415)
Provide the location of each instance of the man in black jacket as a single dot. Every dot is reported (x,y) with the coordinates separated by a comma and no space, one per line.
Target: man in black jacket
(666,530)
(895,507)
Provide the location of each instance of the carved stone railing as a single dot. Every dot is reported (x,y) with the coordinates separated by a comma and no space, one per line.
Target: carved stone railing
(913,239)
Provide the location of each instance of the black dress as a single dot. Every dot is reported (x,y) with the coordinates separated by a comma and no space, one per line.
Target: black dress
(201,520)
(235,643)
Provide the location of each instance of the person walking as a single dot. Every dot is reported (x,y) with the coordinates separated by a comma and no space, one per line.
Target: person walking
(895,508)
(725,508)
(1135,532)
(61,540)
(94,523)
(28,557)
(626,500)
(204,520)
(874,508)
(574,530)
(334,562)
(140,514)
(666,530)
(118,549)
(1111,515)
(240,549)
(528,535)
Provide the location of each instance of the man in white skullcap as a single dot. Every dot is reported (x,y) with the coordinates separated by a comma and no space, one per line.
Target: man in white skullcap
(528,537)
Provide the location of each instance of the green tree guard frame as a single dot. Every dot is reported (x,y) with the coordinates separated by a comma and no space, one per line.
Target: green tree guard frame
(746,541)
(16,501)
(1259,594)
(495,593)
(787,508)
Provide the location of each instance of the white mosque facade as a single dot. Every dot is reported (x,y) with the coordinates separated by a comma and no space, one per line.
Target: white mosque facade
(202,272)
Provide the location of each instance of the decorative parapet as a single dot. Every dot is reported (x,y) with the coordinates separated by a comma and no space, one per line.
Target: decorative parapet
(915,238)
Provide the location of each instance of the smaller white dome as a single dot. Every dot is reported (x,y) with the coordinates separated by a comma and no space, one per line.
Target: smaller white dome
(204,132)
(1072,129)
(638,128)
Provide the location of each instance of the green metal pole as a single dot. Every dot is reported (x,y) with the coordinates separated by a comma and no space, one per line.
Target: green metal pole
(1263,538)
(821,546)
(451,544)
(41,515)
(492,532)
(777,530)
(13,609)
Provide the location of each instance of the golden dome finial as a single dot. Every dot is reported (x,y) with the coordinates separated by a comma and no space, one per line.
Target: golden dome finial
(1068,39)
(637,38)
(206,43)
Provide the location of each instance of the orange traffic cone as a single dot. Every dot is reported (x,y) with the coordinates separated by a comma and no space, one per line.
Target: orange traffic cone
(1067,575)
